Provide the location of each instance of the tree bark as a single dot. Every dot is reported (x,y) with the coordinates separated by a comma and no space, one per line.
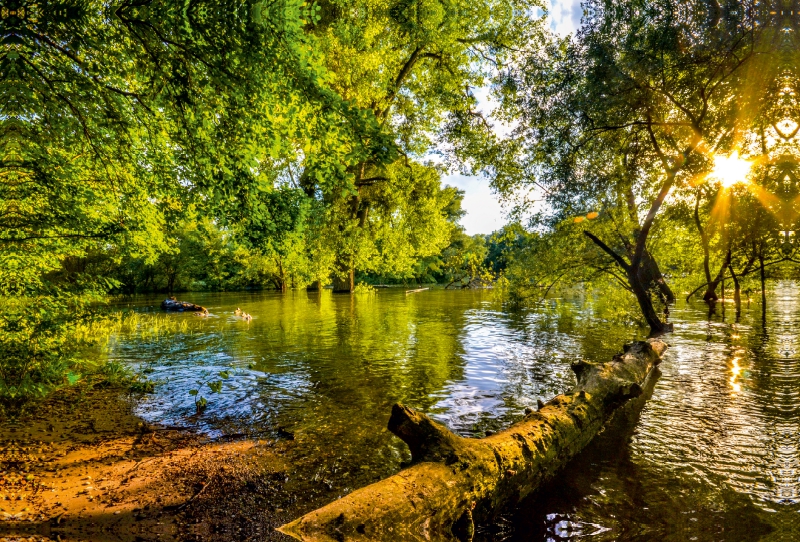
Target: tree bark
(711,287)
(737,291)
(646,305)
(172,304)
(651,277)
(454,480)
(703,240)
(345,283)
(649,273)
(642,294)
(763,283)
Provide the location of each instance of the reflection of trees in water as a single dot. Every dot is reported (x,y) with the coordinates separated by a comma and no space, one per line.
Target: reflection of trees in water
(360,354)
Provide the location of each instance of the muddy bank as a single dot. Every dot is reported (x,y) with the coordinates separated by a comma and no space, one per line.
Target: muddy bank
(83,467)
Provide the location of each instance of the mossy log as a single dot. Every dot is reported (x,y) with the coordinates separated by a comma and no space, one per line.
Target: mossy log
(172,304)
(453,478)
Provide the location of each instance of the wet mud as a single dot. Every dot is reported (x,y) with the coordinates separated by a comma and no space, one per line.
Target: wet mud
(82,466)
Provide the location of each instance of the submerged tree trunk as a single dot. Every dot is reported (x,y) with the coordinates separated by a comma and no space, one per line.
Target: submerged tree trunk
(172,304)
(315,286)
(704,244)
(737,291)
(763,283)
(711,284)
(649,273)
(711,287)
(345,282)
(646,305)
(454,479)
(639,290)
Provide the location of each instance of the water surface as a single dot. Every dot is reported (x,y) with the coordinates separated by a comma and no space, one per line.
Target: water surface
(713,456)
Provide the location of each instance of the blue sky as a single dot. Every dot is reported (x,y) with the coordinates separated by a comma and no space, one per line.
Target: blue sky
(484,212)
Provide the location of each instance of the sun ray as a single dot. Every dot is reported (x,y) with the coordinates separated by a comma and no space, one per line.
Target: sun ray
(768,200)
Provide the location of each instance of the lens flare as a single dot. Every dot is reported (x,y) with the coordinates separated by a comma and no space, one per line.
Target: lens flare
(730,170)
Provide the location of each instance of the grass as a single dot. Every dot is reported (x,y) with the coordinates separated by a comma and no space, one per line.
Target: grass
(99,331)
(131,324)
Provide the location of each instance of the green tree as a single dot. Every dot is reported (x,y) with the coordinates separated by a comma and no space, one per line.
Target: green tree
(113,112)
(413,67)
(641,97)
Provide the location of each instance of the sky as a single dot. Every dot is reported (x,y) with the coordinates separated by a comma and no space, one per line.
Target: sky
(484,212)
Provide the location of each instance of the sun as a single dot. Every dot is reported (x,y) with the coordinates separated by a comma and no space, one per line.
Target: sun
(730,170)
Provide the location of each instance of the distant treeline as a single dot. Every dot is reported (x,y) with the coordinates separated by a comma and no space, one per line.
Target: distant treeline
(203,256)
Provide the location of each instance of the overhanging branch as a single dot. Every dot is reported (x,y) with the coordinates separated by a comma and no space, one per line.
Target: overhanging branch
(608,250)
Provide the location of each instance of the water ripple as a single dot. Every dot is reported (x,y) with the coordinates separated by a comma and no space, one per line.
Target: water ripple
(715,451)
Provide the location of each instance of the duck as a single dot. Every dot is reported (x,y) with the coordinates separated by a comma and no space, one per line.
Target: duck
(238,312)
(246,317)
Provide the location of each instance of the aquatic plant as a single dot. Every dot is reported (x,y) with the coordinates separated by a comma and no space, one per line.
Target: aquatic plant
(214,386)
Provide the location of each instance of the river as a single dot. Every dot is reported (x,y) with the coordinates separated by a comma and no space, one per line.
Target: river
(714,455)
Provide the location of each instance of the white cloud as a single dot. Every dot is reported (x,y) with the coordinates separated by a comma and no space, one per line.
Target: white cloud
(484,212)
(565,16)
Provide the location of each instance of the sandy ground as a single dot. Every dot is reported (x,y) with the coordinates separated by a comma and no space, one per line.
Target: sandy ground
(83,467)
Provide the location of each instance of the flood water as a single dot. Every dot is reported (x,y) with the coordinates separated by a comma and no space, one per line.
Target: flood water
(715,454)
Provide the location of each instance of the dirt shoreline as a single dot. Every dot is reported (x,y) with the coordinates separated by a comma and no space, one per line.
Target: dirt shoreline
(84,467)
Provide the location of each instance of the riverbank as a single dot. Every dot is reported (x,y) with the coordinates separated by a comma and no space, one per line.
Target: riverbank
(83,467)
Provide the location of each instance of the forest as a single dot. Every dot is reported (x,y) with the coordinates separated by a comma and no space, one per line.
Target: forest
(647,163)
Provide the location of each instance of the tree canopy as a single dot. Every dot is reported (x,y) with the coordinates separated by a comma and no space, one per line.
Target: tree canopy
(158,145)
(284,141)
(639,113)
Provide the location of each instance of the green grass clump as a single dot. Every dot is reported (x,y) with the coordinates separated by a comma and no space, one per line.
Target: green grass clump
(98,331)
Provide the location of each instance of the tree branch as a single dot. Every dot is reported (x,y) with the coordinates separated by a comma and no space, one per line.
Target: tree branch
(617,258)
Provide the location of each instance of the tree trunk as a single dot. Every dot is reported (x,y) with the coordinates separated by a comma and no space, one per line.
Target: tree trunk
(172,304)
(763,283)
(711,287)
(737,292)
(315,286)
(704,243)
(650,276)
(455,479)
(345,283)
(657,327)
(642,294)
(649,272)
(171,277)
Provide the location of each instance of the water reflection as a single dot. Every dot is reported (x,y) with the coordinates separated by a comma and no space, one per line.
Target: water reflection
(714,455)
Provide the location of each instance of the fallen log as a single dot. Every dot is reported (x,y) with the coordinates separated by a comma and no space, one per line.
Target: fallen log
(453,479)
(172,304)
(418,290)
